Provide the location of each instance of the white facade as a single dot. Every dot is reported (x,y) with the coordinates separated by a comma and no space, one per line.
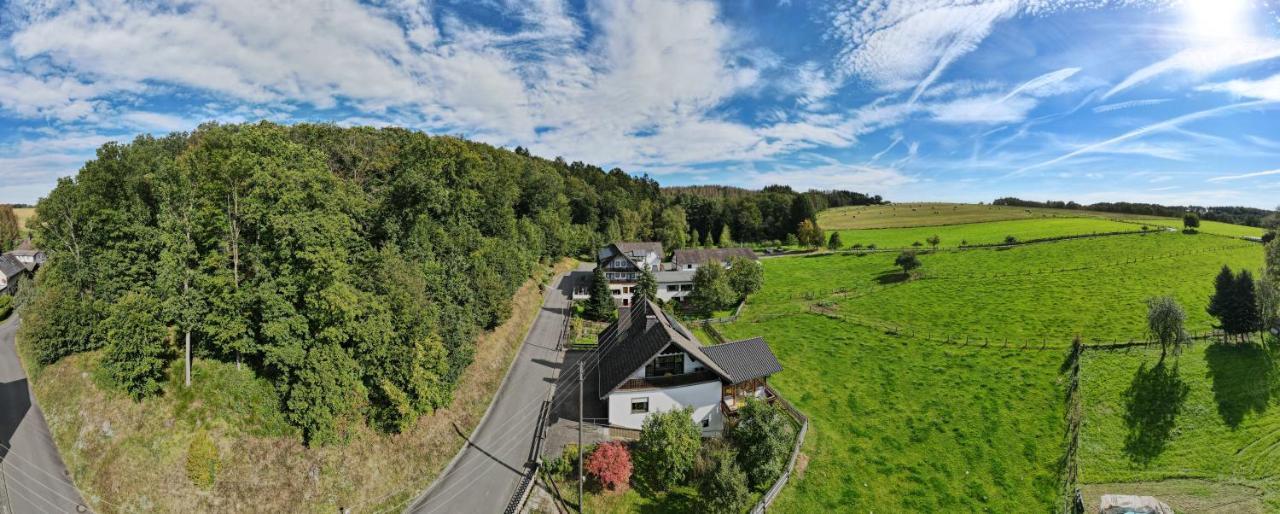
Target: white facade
(704,397)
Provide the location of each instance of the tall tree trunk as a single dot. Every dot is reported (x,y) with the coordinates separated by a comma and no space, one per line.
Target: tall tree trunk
(186,286)
(188,377)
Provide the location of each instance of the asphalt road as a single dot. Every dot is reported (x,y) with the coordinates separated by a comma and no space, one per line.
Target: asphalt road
(488,469)
(34,479)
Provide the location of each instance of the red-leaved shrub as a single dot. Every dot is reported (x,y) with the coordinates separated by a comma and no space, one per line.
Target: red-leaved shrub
(610,464)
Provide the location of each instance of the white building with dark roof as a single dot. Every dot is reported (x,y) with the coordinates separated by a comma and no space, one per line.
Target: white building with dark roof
(651,363)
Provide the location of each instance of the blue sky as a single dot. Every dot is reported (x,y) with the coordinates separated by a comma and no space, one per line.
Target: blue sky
(1085,100)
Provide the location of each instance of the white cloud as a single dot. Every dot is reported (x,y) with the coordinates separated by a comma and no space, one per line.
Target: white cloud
(1129,105)
(1049,82)
(1265,89)
(983,109)
(1204,60)
(1225,178)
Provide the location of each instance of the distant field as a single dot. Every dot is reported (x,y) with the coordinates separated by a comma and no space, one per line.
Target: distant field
(1201,431)
(904,426)
(935,214)
(24,214)
(983,233)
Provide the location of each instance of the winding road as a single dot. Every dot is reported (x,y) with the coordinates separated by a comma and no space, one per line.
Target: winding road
(33,478)
(485,473)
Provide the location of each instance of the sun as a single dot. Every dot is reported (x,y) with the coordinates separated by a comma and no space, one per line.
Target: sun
(1218,20)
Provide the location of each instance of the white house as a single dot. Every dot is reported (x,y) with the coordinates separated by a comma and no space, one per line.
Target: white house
(623,263)
(10,271)
(30,257)
(650,363)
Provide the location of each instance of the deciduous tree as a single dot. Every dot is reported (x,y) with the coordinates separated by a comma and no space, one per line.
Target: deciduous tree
(610,465)
(667,448)
(745,276)
(908,261)
(723,485)
(711,290)
(135,357)
(1165,320)
(763,437)
(834,243)
(9,232)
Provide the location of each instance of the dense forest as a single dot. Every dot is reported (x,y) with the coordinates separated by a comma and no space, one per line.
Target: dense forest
(353,267)
(1249,216)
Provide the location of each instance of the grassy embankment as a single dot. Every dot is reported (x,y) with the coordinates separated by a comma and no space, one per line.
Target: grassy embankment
(130,457)
(901,423)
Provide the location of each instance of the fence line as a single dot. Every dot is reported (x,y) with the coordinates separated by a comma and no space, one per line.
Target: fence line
(774,491)
(1072,503)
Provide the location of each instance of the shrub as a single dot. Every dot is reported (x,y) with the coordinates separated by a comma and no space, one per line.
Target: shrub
(58,323)
(202,460)
(1010,240)
(668,445)
(610,465)
(723,485)
(907,260)
(6,306)
(763,437)
(135,356)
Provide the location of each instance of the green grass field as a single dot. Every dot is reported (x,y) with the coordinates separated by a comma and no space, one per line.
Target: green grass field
(983,233)
(902,423)
(1201,430)
(903,426)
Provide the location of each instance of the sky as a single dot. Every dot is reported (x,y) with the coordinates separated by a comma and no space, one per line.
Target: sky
(946,100)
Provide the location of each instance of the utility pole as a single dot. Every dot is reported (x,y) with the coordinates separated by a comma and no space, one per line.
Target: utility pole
(581,478)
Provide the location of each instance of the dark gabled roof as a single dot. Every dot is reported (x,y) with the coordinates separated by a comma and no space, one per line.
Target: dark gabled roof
(644,331)
(685,256)
(629,343)
(10,266)
(744,360)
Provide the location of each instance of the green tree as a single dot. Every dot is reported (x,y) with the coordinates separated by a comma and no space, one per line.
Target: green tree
(323,395)
(668,445)
(763,436)
(58,322)
(9,232)
(1222,302)
(722,488)
(1248,314)
(908,261)
(1165,323)
(934,241)
(600,306)
(135,357)
(1190,221)
(711,290)
(646,287)
(745,276)
(726,239)
(834,243)
(672,229)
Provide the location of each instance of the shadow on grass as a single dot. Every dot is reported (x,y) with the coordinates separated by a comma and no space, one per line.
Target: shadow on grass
(1243,380)
(1155,397)
(892,277)
(679,500)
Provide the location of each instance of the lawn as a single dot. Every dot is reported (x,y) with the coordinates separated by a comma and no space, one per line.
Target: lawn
(1200,430)
(909,426)
(983,233)
(1043,292)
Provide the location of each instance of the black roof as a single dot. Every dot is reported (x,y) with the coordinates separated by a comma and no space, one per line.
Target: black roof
(643,332)
(744,360)
(685,256)
(10,266)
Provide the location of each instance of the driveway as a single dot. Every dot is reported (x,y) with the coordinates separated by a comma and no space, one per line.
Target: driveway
(488,469)
(34,479)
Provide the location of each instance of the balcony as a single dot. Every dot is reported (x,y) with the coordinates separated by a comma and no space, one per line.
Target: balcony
(668,381)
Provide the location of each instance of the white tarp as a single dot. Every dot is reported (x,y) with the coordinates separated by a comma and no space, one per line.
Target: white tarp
(1125,504)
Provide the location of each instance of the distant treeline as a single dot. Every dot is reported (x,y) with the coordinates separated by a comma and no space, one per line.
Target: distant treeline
(351,267)
(1249,216)
(768,214)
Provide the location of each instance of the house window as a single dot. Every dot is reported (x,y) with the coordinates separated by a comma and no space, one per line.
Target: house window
(706,422)
(639,405)
(664,365)
(672,288)
(688,266)
(626,302)
(686,287)
(617,292)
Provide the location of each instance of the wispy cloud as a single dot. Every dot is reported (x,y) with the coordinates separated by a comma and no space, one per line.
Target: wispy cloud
(1227,178)
(1129,105)
(1203,60)
(1155,127)
(1265,89)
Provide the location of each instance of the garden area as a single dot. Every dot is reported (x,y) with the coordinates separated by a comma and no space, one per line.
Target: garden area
(670,467)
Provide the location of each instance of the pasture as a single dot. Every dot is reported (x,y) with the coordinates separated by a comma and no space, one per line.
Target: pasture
(953,236)
(1200,429)
(23,214)
(905,421)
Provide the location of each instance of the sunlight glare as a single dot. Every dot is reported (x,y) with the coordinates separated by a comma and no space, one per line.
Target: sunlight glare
(1218,20)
